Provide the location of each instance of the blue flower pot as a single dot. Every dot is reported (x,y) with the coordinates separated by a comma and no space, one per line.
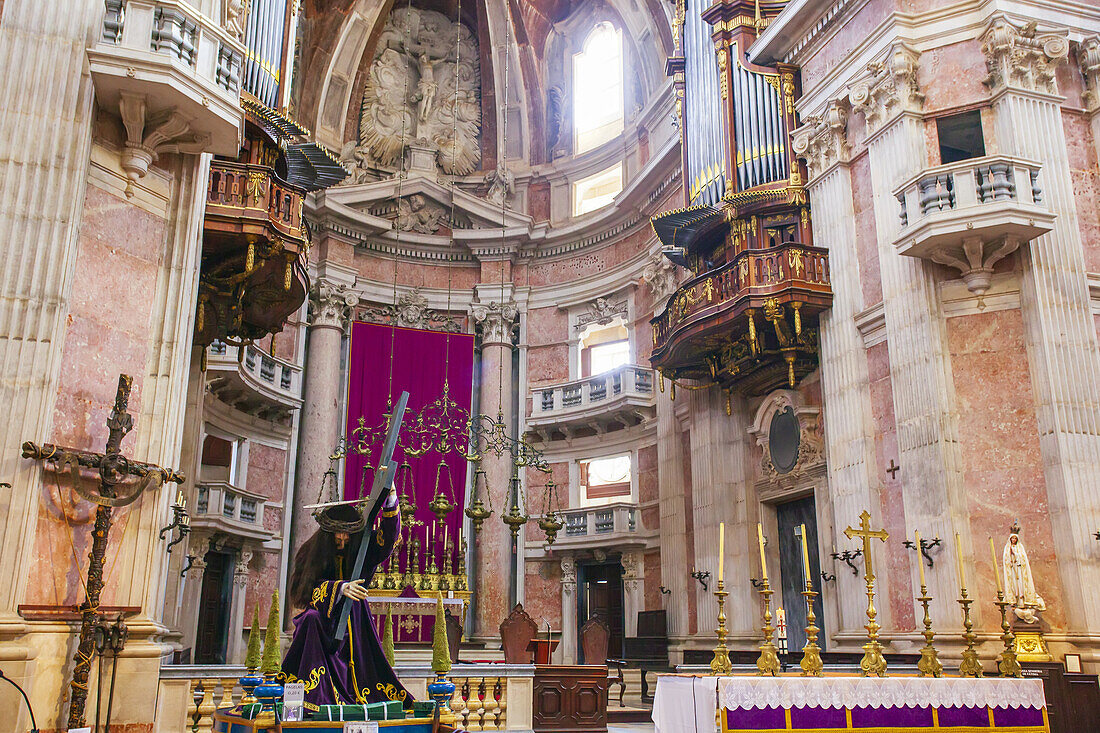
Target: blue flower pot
(268,693)
(249,683)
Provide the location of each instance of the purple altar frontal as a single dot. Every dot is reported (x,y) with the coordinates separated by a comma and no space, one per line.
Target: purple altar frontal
(740,704)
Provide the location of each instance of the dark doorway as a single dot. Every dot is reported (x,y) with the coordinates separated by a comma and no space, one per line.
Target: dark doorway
(790,516)
(214,600)
(601,594)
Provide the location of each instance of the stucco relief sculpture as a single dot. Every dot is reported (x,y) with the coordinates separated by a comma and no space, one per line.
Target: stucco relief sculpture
(411,93)
(418,213)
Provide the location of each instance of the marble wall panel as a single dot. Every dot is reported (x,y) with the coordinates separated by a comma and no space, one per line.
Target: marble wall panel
(653,596)
(863,207)
(417,273)
(547,326)
(542,593)
(1085,174)
(647,476)
(273,520)
(548,365)
(847,38)
(1002,461)
(266,471)
(951,76)
(263,580)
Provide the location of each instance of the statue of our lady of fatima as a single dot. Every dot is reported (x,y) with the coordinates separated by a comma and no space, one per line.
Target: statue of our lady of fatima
(352,670)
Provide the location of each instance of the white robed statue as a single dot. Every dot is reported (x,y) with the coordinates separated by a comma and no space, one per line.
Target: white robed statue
(1019,585)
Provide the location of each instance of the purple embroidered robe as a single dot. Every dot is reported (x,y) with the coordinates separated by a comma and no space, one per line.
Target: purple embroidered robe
(354,670)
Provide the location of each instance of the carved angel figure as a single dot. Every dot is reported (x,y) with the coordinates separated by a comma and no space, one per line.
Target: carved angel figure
(424,84)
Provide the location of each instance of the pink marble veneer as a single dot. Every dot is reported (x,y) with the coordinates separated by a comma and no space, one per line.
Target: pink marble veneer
(866,233)
(999,443)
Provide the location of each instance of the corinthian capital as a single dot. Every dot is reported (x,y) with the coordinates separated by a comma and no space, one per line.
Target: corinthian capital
(823,141)
(1020,57)
(1088,58)
(331,304)
(496,321)
(889,87)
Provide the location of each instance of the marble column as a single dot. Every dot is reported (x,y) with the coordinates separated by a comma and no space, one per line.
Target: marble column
(1054,297)
(1088,60)
(923,397)
(495,562)
(568,643)
(845,385)
(44,146)
(330,308)
(633,590)
(234,653)
(197,546)
(675,563)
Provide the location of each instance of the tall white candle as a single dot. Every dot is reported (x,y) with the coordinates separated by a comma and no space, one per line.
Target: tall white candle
(721,549)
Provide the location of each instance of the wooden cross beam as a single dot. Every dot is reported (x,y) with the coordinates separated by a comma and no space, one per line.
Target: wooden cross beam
(114,469)
(867,534)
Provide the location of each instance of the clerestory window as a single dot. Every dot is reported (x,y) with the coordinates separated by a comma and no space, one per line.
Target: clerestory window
(598,88)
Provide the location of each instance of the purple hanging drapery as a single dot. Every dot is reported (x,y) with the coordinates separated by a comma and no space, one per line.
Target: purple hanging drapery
(418,367)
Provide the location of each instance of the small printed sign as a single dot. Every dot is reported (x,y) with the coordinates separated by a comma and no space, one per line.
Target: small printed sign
(294,697)
(361,726)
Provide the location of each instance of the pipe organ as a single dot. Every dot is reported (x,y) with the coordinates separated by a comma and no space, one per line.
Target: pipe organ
(746,318)
(266,65)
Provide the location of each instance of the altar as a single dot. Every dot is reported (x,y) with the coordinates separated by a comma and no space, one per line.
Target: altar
(739,704)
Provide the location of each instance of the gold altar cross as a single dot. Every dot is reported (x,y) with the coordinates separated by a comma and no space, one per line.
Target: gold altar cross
(867,534)
(114,469)
(873,663)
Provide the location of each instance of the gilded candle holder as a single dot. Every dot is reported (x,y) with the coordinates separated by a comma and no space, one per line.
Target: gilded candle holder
(767,664)
(811,664)
(969,666)
(721,664)
(1008,664)
(929,664)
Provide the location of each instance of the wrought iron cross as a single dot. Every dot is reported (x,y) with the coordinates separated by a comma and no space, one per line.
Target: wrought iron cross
(114,469)
(893,469)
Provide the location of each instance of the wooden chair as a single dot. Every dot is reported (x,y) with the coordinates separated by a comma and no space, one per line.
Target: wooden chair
(516,633)
(595,638)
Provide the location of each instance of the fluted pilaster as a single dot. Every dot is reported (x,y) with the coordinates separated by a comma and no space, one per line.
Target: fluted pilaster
(1061,334)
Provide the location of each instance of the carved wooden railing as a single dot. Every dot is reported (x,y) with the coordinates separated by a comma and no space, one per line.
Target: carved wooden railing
(752,275)
(247,191)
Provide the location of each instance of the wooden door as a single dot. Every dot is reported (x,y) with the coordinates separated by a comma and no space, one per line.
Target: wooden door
(214,600)
(790,516)
(601,594)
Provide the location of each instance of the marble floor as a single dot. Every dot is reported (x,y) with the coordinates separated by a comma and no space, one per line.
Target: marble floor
(630,728)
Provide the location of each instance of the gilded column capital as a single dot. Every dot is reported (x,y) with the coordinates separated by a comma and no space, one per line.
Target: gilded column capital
(1088,59)
(1020,57)
(889,87)
(823,140)
(331,305)
(496,321)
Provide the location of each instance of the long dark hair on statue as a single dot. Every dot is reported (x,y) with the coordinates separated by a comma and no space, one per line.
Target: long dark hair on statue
(316,558)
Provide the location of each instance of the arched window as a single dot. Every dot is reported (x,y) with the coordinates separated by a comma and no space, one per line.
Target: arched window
(598,88)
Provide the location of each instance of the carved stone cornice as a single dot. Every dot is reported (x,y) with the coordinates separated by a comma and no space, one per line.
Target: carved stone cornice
(601,311)
(411,311)
(1019,57)
(331,305)
(823,140)
(889,88)
(496,321)
(662,276)
(149,136)
(1088,59)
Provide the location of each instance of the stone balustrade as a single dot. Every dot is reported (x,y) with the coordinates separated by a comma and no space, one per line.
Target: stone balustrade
(222,507)
(623,396)
(253,381)
(487,696)
(617,525)
(971,214)
(175,58)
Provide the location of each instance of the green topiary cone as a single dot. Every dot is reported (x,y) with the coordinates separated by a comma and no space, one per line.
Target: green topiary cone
(387,637)
(252,658)
(272,660)
(441,651)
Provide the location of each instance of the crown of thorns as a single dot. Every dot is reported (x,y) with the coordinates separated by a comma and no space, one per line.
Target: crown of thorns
(347,518)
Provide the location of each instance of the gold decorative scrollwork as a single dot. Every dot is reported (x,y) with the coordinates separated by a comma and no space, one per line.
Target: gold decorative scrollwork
(390,691)
(314,678)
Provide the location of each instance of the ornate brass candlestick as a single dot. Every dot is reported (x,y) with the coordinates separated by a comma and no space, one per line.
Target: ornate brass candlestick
(721,663)
(811,653)
(1008,664)
(929,664)
(873,663)
(970,666)
(768,662)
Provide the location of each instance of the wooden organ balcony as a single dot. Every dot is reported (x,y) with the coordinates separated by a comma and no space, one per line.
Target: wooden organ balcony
(749,324)
(255,239)
(746,318)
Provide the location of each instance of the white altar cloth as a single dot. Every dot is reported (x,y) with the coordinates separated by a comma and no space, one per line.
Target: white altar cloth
(687,704)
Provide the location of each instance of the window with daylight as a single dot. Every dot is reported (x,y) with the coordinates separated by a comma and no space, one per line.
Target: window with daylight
(598,88)
(606,479)
(596,192)
(960,137)
(604,349)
